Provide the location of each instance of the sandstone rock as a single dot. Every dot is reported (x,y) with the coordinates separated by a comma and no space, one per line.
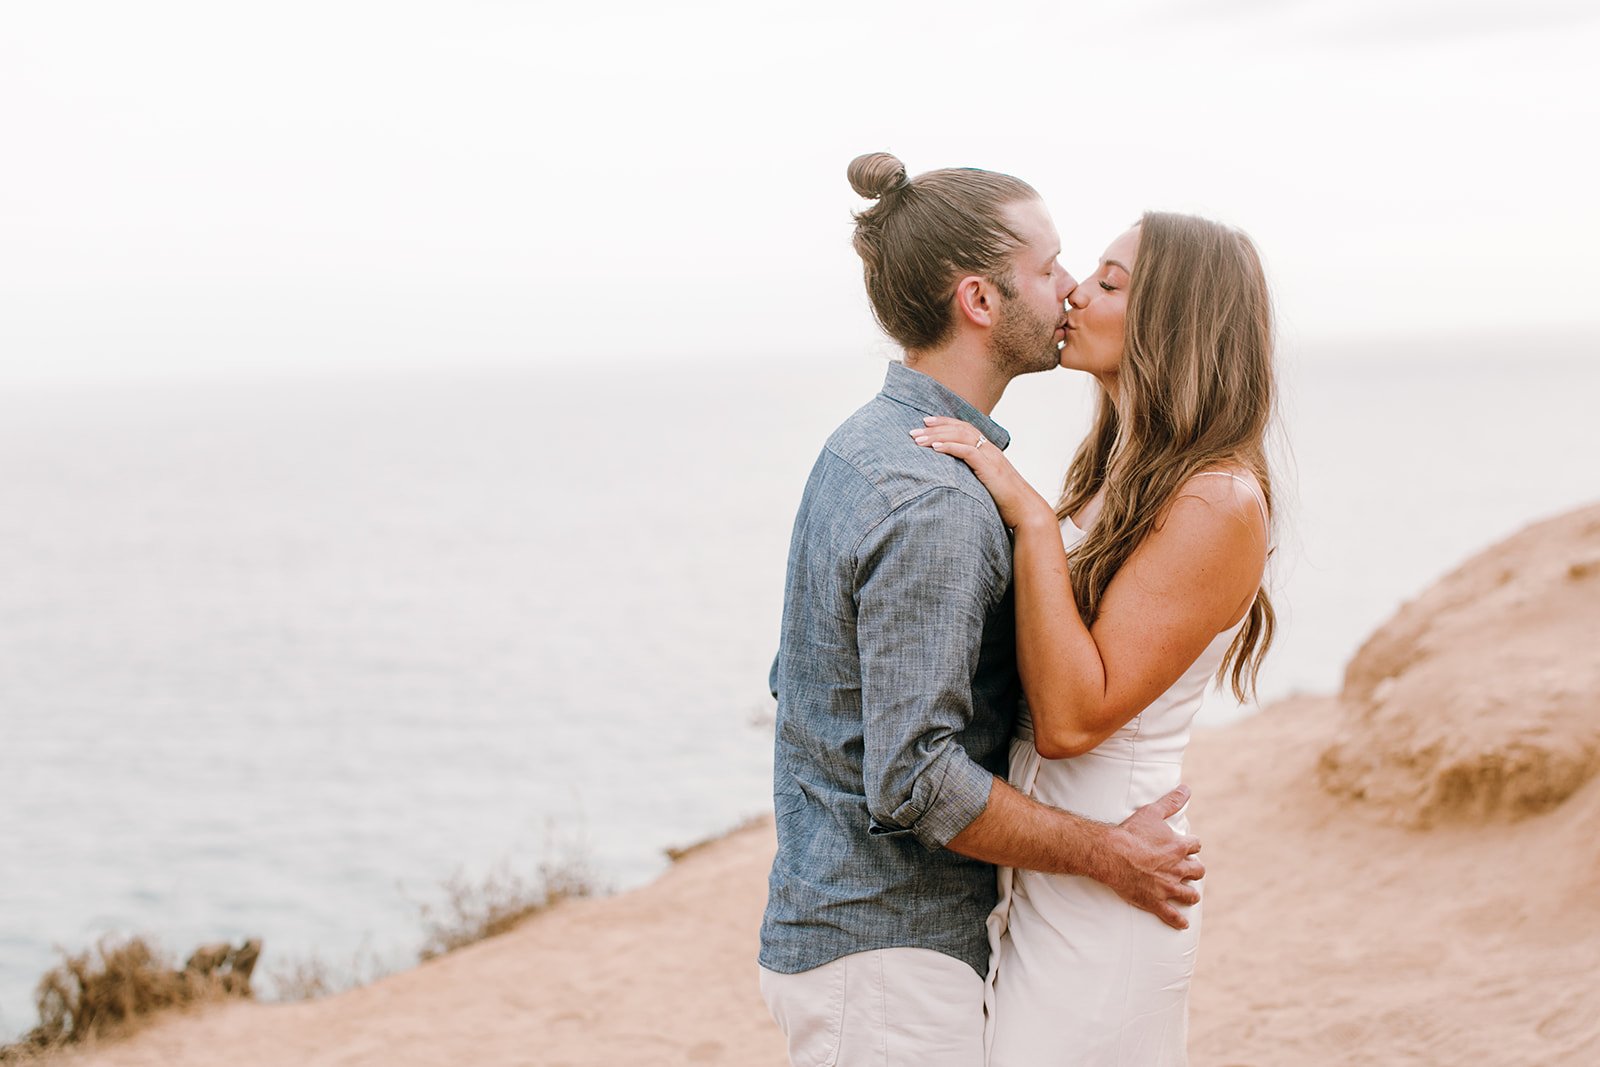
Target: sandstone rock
(1481,698)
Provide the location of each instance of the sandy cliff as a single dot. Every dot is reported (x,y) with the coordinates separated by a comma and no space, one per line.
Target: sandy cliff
(1404,873)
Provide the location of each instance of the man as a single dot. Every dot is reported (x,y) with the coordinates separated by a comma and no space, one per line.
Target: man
(896,676)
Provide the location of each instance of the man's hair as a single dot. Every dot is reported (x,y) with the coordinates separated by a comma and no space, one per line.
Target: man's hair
(924,234)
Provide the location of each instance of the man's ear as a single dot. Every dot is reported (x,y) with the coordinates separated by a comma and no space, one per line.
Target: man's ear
(975,300)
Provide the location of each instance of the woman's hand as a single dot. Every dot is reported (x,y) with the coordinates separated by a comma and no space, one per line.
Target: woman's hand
(1014,497)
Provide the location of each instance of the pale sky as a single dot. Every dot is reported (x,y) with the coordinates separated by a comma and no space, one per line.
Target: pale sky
(219,188)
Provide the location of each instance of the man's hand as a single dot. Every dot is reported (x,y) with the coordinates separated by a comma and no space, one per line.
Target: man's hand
(1151,867)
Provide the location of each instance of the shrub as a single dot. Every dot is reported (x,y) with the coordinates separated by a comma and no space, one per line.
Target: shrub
(474,910)
(110,988)
(310,976)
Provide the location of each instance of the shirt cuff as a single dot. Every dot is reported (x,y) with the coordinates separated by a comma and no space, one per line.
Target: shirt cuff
(960,795)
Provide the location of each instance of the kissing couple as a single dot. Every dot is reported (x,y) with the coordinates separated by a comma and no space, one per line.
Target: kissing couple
(983,697)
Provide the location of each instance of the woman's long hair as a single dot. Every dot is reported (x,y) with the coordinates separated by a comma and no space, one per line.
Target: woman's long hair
(1196,392)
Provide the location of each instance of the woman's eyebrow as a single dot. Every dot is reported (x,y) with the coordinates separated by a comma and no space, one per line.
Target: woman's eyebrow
(1115,263)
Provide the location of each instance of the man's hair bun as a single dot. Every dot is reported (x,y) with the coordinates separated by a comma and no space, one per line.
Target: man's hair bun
(876,173)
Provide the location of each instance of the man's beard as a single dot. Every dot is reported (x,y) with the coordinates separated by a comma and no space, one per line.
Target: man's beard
(1023,343)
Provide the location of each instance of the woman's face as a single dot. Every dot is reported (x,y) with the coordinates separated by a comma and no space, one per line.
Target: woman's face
(1096,309)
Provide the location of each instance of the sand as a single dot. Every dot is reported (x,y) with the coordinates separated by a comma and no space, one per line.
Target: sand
(1403,873)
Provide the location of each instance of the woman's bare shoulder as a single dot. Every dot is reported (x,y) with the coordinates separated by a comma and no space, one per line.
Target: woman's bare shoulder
(1231,491)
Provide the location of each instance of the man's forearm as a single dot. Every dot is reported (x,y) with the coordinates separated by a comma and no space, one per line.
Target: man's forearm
(1014,831)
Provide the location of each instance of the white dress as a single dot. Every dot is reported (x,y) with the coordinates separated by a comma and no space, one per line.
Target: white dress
(1077,976)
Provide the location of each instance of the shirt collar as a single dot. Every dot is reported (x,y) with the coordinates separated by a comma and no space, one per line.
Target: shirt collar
(919,391)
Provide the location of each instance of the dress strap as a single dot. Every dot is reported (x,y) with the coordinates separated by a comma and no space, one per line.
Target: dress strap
(1260,502)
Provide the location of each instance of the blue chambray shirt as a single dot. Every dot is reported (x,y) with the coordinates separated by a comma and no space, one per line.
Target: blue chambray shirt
(897,691)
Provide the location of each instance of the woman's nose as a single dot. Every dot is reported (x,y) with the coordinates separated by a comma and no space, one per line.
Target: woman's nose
(1078,298)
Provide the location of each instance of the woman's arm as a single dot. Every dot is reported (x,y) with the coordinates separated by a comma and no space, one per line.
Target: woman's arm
(1190,578)
(1186,582)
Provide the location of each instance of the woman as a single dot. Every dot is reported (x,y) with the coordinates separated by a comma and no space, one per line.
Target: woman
(1132,593)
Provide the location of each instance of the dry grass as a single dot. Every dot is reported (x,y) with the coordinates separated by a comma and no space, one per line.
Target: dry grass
(311,977)
(307,978)
(111,989)
(116,985)
(678,852)
(474,910)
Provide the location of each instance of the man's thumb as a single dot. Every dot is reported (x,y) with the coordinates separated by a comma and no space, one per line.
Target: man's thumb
(1172,803)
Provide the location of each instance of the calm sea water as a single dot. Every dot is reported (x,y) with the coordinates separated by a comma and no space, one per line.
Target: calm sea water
(276,659)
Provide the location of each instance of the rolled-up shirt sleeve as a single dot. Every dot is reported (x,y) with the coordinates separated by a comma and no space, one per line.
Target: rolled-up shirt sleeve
(927,577)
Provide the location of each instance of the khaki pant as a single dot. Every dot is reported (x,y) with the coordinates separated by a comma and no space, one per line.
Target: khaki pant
(892,1007)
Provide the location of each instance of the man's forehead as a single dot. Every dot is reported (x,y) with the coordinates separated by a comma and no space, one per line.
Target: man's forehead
(1032,222)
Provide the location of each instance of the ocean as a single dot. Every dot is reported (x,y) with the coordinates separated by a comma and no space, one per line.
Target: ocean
(280,657)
